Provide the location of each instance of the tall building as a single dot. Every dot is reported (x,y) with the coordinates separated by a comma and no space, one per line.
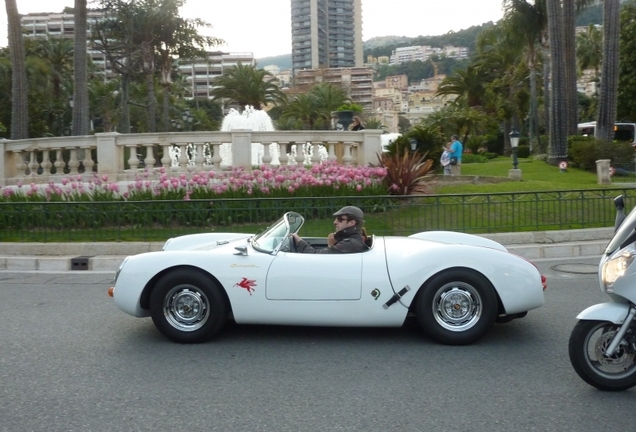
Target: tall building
(200,74)
(46,25)
(357,82)
(326,34)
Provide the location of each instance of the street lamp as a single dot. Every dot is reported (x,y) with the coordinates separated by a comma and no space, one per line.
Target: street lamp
(514,143)
(413,143)
(187,118)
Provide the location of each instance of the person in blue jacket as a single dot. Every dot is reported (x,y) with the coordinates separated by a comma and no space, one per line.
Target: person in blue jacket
(456,150)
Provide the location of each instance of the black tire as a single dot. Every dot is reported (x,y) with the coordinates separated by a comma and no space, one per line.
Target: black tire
(588,342)
(188,307)
(457,307)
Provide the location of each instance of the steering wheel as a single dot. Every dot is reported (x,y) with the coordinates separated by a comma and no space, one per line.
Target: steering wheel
(288,245)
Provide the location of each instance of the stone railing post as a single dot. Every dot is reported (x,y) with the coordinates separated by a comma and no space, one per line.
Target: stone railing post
(371,147)
(5,163)
(110,157)
(603,171)
(242,148)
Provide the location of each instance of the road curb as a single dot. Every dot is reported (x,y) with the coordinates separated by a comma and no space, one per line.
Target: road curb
(108,256)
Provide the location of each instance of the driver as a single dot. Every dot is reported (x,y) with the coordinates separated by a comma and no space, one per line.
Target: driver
(347,238)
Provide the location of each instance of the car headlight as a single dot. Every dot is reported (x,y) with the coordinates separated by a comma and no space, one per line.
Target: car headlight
(616,267)
(121,266)
(165,245)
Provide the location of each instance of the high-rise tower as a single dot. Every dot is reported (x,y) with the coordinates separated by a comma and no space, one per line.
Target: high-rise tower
(326,34)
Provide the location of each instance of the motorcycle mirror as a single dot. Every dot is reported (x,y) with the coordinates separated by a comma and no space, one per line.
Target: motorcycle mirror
(619,203)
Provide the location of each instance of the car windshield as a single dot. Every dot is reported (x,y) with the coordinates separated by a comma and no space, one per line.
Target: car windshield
(275,234)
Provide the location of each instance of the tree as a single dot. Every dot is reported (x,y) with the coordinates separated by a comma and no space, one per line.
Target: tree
(300,111)
(180,38)
(589,49)
(19,93)
(245,85)
(467,84)
(609,72)
(558,121)
(52,57)
(114,36)
(527,24)
(570,75)
(626,106)
(313,108)
(80,81)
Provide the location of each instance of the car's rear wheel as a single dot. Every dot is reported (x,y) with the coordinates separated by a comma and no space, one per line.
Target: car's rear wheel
(457,307)
(188,307)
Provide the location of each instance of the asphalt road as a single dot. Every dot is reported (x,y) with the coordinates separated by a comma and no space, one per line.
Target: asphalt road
(71,361)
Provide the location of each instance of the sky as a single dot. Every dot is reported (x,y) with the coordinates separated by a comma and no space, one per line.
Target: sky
(263,27)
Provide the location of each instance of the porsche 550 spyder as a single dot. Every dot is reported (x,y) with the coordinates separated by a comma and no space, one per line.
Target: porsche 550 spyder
(457,285)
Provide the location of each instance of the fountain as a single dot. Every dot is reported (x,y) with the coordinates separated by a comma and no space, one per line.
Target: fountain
(250,118)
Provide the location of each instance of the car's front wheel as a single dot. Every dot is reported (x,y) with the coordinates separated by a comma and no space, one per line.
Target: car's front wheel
(457,307)
(188,307)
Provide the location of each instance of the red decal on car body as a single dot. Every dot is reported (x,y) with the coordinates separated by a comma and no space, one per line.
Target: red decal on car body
(247,284)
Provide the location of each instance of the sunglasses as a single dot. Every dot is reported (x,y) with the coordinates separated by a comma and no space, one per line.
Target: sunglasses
(342,219)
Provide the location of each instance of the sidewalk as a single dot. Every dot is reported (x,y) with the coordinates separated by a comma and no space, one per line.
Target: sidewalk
(107,256)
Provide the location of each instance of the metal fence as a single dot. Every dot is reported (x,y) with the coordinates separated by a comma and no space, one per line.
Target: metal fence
(384,215)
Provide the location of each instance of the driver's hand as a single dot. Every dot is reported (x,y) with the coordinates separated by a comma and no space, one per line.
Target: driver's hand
(331,240)
(295,236)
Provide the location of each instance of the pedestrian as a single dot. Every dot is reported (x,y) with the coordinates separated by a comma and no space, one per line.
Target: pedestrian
(456,149)
(356,125)
(445,161)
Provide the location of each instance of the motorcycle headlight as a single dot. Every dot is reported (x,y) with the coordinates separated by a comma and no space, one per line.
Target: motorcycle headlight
(615,268)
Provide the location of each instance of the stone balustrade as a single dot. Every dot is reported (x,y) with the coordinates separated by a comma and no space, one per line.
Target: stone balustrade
(123,156)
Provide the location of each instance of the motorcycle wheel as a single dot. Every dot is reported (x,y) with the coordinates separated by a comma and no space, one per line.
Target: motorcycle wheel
(588,342)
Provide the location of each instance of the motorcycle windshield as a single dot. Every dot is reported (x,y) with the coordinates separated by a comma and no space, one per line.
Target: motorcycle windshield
(625,233)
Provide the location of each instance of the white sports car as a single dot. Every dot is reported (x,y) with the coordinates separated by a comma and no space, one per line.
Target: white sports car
(456,284)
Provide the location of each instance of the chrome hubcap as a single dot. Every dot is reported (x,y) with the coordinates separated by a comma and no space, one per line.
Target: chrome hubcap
(186,308)
(457,306)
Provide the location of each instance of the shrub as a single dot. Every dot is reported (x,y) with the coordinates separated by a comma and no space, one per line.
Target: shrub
(473,158)
(585,151)
(405,171)
(523,151)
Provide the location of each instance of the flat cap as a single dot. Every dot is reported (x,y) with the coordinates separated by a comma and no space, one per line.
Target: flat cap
(350,211)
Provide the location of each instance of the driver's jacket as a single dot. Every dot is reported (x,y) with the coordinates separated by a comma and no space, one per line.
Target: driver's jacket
(348,240)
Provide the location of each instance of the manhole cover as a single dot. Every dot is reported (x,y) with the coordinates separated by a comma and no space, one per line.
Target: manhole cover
(577,268)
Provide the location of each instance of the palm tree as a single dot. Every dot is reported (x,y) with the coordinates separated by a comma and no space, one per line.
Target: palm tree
(329,98)
(467,84)
(57,54)
(589,50)
(247,85)
(609,71)
(528,22)
(558,120)
(302,108)
(80,88)
(19,92)
(569,56)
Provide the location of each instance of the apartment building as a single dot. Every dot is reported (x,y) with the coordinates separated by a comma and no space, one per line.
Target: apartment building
(358,82)
(62,25)
(424,52)
(326,34)
(200,74)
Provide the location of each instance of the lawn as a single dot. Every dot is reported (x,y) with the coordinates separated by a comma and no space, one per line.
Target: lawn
(536,175)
